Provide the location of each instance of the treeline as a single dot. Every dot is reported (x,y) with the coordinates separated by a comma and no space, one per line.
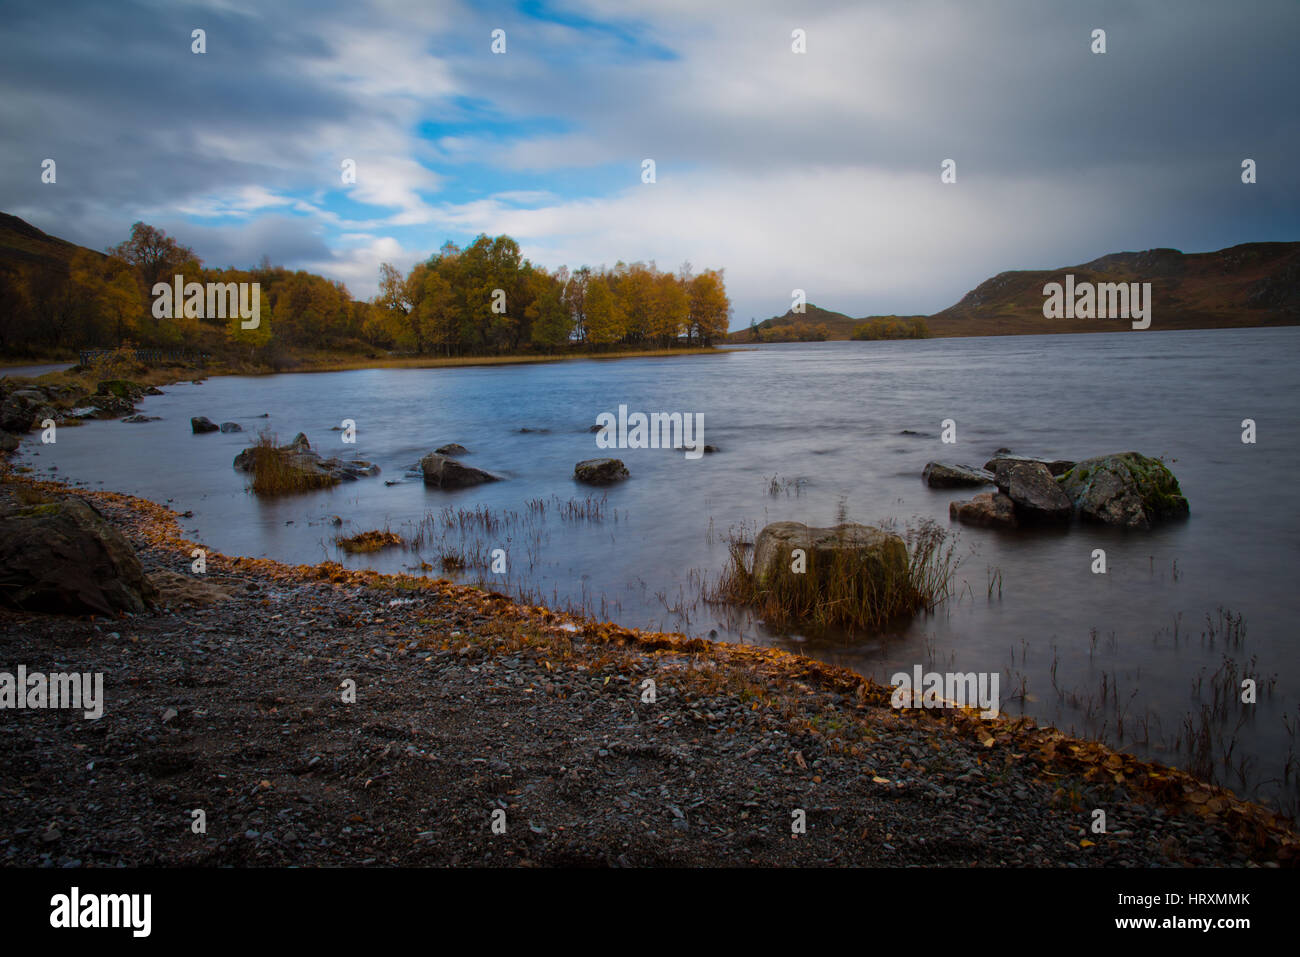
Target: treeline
(485,299)
(892,327)
(482,300)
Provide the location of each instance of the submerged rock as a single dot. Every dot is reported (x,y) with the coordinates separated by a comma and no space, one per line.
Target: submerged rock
(1126,489)
(231,427)
(64,557)
(442,472)
(880,555)
(452,448)
(600,471)
(986,510)
(939,475)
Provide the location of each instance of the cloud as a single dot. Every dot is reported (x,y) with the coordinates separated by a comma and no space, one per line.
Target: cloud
(817,171)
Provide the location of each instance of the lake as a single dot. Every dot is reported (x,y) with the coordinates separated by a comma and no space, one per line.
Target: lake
(804,430)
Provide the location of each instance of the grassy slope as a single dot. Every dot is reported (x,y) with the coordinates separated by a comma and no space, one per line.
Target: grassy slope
(1255,284)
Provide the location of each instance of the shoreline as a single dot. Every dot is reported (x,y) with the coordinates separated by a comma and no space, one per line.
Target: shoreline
(249,657)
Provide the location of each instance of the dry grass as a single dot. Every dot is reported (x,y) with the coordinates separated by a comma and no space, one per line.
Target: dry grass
(371,541)
(274,474)
(856,591)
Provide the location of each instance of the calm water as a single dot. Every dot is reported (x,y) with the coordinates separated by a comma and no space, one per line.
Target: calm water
(823,420)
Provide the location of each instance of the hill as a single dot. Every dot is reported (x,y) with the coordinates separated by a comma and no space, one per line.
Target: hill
(814,324)
(23,244)
(1254,284)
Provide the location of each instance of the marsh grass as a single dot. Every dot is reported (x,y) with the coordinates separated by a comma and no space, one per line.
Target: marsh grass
(856,589)
(274,474)
(371,541)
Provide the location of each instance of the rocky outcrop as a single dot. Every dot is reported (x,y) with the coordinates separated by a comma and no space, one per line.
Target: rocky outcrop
(940,475)
(1035,494)
(442,472)
(23,409)
(986,510)
(878,554)
(64,557)
(1127,489)
(201,424)
(600,471)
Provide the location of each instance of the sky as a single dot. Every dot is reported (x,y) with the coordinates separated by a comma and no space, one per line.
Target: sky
(818,171)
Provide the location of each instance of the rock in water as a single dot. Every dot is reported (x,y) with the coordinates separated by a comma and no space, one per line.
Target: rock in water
(986,510)
(65,557)
(453,448)
(1057,467)
(231,427)
(939,475)
(600,471)
(298,469)
(1127,489)
(1035,493)
(879,554)
(201,423)
(442,472)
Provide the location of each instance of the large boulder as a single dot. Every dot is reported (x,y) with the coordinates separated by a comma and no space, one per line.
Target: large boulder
(442,472)
(830,551)
(21,409)
(939,475)
(600,471)
(1126,489)
(1035,493)
(201,423)
(986,510)
(65,557)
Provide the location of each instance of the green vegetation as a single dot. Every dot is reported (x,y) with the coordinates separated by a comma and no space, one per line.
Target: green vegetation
(893,327)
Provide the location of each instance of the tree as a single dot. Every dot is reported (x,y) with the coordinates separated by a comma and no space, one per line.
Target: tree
(155,255)
(670,309)
(710,307)
(606,321)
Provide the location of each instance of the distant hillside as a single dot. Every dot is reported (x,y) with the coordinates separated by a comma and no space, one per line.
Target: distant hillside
(21,244)
(1254,284)
(800,327)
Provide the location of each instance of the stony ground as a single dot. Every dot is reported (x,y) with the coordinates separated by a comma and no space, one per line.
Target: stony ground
(230,699)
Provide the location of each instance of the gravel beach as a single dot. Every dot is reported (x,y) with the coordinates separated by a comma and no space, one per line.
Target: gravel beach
(234,697)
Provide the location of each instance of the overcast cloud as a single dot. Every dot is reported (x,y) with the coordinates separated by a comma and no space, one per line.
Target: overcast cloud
(818,171)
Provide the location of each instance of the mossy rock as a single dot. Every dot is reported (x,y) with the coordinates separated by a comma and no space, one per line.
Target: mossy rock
(1126,489)
(122,388)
